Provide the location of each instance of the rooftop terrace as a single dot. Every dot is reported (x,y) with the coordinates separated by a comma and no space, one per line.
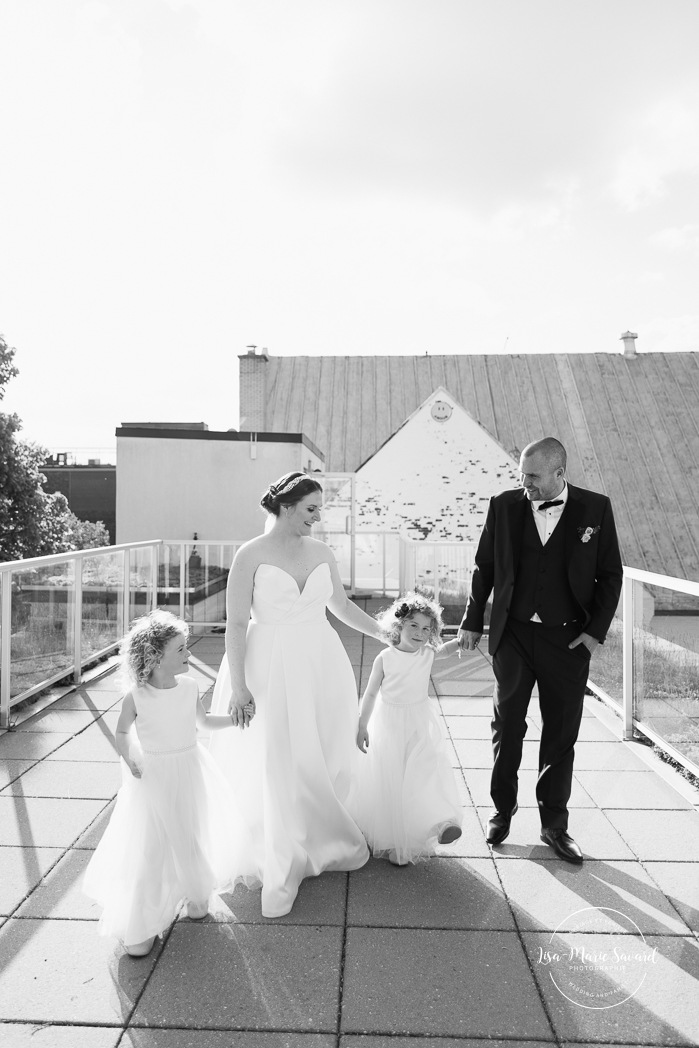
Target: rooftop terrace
(448,953)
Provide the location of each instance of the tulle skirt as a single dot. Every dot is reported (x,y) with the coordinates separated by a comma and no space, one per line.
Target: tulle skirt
(292,769)
(171,837)
(406,793)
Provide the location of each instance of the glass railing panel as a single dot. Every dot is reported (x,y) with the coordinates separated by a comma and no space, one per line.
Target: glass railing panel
(169,566)
(606,665)
(42,643)
(142,568)
(206,574)
(341,545)
(454,568)
(102,617)
(666,666)
(425,573)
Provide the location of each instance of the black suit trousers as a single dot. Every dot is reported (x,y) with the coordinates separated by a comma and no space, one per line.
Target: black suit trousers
(533,654)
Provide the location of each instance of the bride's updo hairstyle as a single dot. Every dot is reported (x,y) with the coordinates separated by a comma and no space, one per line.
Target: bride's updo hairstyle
(287,491)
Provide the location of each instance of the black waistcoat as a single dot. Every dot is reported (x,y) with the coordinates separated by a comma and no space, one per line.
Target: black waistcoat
(541,584)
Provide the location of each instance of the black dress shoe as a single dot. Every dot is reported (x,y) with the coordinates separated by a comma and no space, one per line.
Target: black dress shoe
(563,845)
(499,826)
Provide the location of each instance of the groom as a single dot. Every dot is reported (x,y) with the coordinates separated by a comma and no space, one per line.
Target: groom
(550,555)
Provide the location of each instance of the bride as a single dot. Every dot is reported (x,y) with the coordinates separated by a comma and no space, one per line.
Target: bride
(287,682)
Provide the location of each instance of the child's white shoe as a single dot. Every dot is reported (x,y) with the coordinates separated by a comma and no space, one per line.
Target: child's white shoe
(449,834)
(140,949)
(196,911)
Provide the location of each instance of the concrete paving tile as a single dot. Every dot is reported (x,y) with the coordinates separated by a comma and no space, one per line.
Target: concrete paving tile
(593,730)
(68,721)
(245,977)
(588,826)
(12,769)
(478,782)
(479,727)
(59,895)
(437,893)
(606,756)
(321,900)
(463,688)
(44,822)
(659,835)
(478,753)
(20,870)
(630,789)
(89,698)
(658,990)
(439,983)
(147,1038)
(93,834)
(30,745)
(545,893)
(373,1041)
(67,779)
(472,707)
(679,882)
(32,1035)
(77,975)
(469,727)
(95,743)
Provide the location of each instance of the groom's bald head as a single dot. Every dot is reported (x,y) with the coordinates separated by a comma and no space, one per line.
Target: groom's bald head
(551,451)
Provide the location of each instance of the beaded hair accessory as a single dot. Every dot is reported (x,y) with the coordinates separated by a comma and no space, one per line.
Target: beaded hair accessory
(276,491)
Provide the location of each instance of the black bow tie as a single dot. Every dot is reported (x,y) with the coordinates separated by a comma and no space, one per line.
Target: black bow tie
(556,502)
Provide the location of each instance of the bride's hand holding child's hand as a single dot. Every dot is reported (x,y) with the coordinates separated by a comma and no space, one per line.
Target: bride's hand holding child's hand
(241,708)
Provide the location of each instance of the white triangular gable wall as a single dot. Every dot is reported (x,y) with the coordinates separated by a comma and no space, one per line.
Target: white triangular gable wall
(433,479)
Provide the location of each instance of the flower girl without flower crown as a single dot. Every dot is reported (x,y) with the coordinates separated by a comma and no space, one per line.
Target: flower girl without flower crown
(170,837)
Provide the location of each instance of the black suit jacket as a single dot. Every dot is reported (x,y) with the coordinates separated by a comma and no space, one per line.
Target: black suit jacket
(594,564)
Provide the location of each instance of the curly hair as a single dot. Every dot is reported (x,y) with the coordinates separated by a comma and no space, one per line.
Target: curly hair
(288,490)
(143,646)
(391,619)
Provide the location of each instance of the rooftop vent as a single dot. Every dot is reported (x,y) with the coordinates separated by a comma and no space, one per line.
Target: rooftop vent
(629,340)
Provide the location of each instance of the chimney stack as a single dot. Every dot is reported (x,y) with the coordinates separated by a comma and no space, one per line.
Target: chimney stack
(629,340)
(253,390)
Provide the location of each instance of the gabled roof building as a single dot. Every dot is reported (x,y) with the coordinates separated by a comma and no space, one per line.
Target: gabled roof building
(630,424)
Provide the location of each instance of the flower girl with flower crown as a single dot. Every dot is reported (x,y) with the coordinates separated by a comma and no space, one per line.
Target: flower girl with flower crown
(405,800)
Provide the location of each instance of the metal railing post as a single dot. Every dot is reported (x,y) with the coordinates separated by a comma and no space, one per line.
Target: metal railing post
(182,579)
(78,618)
(6,650)
(126,597)
(435,568)
(627,612)
(154,570)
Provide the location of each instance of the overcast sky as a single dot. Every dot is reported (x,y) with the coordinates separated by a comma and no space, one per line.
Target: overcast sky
(183,178)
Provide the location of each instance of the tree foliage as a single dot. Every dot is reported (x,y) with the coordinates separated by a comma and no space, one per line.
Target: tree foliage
(33,523)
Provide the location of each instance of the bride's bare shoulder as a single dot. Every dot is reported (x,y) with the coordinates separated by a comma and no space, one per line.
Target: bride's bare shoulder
(321,550)
(251,554)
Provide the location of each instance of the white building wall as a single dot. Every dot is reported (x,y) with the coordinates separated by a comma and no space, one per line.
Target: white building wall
(170,487)
(435,476)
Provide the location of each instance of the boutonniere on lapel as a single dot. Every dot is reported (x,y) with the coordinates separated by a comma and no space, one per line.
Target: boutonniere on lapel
(587,533)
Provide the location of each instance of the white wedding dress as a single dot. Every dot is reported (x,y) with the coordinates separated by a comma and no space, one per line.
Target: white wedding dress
(292,768)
